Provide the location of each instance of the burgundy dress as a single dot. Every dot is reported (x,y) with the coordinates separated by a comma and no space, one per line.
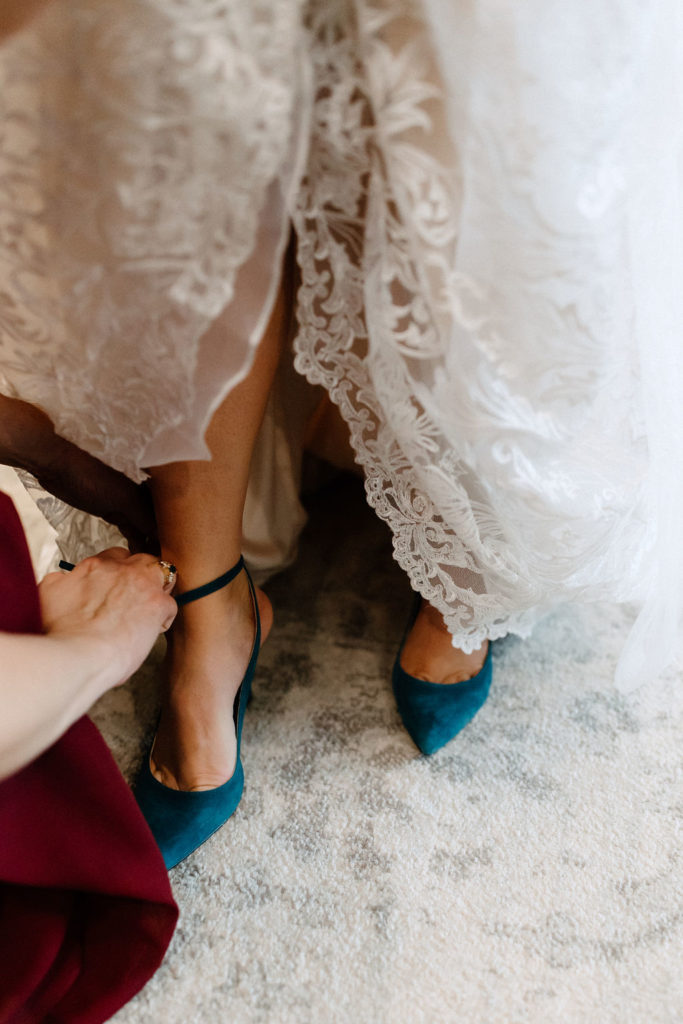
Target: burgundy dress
(86,910)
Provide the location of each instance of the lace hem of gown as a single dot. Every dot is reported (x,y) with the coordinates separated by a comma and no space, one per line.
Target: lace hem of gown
(457,302)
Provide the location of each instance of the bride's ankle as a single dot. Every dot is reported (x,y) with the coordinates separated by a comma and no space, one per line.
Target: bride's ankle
(230,607)
(220,626)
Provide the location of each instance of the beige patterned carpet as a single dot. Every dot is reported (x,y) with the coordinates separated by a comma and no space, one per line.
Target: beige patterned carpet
(529,872)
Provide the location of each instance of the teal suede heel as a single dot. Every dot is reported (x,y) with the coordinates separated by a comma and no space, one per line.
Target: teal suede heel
(181,821)
(433,713)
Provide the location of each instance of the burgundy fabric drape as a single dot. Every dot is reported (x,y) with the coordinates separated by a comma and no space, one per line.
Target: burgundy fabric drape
(86,910)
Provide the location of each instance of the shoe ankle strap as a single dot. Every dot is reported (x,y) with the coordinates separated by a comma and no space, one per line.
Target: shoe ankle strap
(212,585)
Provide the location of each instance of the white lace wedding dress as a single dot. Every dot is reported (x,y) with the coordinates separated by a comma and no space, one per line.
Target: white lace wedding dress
(486,198)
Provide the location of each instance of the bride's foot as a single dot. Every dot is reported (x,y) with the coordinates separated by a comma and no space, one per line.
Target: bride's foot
(208,652)
(434,714)
(429,654)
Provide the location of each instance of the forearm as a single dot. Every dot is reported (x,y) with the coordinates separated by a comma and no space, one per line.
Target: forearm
(46,684)
(28,441)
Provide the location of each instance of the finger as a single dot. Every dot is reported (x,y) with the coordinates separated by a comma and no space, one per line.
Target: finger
(165,570)
(172,610)
(143,558)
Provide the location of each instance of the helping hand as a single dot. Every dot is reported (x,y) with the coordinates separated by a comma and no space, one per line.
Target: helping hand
(116,600)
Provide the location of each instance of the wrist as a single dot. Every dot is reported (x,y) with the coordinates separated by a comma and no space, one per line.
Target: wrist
(95,662)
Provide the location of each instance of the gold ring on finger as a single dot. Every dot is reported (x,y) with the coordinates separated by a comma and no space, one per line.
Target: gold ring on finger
(170,573)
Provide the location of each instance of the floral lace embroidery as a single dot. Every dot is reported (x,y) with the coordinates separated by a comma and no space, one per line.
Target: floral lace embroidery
(496,418)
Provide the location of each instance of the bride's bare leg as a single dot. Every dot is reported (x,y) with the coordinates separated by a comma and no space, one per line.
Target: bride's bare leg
(429,654)
(199,513)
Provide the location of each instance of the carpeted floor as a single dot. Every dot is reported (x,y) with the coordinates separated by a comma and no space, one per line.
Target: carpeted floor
(529,872)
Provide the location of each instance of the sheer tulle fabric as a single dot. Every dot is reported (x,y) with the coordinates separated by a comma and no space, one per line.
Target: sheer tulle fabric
(485,198)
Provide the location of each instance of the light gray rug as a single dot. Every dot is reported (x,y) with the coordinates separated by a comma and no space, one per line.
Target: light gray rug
(529,872)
